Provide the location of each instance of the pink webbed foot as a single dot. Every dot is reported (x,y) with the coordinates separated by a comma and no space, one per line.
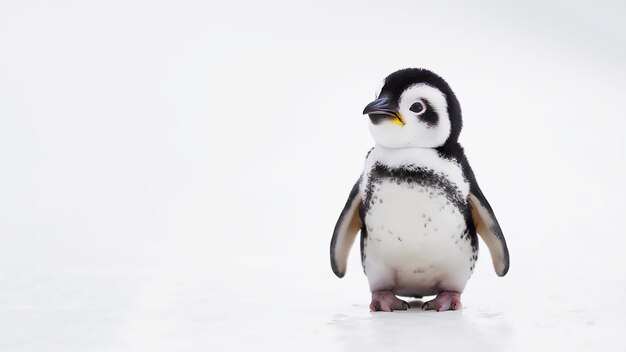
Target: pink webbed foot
(444,301)
(387,301)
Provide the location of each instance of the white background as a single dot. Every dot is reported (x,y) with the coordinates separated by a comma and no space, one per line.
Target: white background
(171,171)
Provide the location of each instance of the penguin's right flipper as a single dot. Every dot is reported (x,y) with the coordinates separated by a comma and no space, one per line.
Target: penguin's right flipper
(345,232)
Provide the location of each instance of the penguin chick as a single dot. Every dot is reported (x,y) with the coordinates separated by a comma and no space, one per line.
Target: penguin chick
(417,203)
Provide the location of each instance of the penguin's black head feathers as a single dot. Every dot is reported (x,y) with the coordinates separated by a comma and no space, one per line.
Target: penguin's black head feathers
(415,108)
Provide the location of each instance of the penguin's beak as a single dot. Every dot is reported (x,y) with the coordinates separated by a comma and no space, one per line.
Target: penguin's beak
(381,109)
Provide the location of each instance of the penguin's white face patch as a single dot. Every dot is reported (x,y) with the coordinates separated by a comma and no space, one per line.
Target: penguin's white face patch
(424,112)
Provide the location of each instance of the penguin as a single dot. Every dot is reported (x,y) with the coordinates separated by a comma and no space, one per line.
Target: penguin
(417,204)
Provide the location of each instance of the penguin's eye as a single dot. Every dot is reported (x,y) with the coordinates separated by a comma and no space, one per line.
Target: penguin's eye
(417,107)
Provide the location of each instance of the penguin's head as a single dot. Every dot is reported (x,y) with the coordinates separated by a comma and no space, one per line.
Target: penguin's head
(414,109)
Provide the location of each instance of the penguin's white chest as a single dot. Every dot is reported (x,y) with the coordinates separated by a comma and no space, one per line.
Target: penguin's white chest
(417,241)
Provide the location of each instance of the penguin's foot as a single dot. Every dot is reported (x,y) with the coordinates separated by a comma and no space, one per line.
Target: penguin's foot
(387,301)
(445,300)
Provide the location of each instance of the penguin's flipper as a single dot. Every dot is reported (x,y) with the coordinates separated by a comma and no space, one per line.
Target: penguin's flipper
(345,232)
(489,230)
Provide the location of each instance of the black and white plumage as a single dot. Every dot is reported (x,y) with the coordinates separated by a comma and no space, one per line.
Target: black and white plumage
(417,203)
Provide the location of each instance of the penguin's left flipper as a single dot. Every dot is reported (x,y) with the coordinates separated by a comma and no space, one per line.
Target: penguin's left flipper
(488,228)
(345,232)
